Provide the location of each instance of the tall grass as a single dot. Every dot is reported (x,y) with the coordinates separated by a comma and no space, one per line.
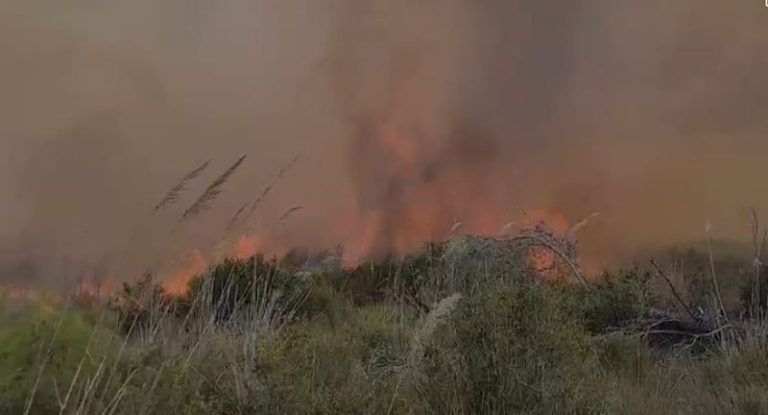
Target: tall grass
(423,337)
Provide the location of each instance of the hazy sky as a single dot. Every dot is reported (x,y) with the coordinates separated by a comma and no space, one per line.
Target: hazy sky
(654,113)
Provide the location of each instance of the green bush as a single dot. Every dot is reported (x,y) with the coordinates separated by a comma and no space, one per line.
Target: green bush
(43,351)
(616,300)
(514,348)
(324,367)
(233,286)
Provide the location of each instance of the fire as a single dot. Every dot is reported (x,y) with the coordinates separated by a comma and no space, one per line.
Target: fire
(96,289)
(197,263)
(555,221)
(12,292)
(409,193)
(362,239)
(403,150)
(247,246)
(542,260)
(177,283)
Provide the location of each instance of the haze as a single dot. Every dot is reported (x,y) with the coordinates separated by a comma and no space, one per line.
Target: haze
(653,113)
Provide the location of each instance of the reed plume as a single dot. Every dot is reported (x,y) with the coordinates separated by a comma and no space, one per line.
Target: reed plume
(174,194)
(269,187)
(236,216)
(212,191)
(290,211)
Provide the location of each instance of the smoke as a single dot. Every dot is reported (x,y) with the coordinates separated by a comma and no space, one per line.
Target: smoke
(410,117)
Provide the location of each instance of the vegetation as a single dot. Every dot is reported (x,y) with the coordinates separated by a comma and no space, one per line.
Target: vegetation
(444,331)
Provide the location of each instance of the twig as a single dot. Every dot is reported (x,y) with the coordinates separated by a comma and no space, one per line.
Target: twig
(714,274)
(674,291)
(756,264)
(688,334)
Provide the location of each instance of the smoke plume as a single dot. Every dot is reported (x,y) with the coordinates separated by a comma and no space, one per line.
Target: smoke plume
(414,120)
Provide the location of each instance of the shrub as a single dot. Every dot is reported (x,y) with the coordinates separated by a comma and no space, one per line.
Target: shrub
(616,300)
(240,286)
(43,353)
(513,348)
(138,305)
(325,367)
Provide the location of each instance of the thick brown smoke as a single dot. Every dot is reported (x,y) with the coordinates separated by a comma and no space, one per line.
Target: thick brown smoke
(413,119)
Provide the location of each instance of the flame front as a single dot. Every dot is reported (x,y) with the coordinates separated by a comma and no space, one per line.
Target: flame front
(194,265)
(406,192)
(409,191)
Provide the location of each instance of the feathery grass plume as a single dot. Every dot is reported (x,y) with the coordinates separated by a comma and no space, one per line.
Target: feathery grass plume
(212,191)
(268,189)
(436,316)
(261,197)
(288,166)
(582,223)
(290,211)
(506,228)
(236,216)
(421,337)
(173,195)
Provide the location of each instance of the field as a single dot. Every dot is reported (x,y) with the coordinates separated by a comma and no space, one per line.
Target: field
(461,327)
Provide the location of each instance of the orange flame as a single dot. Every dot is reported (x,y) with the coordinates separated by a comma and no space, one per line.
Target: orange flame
(407,196)
(177,283)
(96,288)
(407,193)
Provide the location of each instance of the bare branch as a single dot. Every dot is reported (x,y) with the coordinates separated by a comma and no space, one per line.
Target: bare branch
(674,291)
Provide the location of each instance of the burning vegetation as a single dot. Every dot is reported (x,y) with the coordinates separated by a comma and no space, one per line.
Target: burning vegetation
(382,207)
(407,193)
(426,298)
